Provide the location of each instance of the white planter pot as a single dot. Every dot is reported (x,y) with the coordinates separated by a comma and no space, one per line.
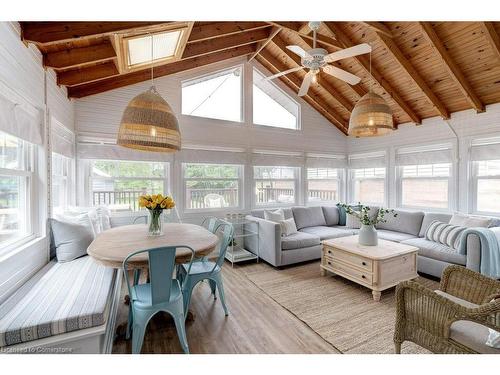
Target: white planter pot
(368,235)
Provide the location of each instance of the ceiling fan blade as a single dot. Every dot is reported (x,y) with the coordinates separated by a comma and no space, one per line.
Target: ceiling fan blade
(304,88)
(341,74)
(348,52)
(282,73)
(298,51)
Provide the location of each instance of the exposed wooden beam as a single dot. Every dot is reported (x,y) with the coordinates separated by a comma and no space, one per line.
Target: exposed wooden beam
(321,39)
(394,50)
(452,68)
(274,31)
(224,42)
(379,78)
(339,99)
(304,29)
(73,57)
(493,38)
(57,32)
(87,74)
(204,31)
(379,27)
(160,71)
(185,38)
(293,80)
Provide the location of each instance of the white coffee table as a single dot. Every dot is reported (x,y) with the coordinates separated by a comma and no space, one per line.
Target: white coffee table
(375,267)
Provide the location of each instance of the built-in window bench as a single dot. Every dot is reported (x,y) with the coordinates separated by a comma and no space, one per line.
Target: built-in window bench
(65,307)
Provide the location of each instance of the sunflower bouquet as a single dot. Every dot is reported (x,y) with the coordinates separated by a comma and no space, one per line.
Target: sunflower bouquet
(155,204)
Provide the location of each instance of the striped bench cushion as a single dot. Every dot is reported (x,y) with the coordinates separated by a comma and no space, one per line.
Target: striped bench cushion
(60,298)
(446,234)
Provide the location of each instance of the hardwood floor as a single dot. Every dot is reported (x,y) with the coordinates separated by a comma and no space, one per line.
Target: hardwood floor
(256,323)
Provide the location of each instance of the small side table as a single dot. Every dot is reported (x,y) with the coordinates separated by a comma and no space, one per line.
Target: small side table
(243,228)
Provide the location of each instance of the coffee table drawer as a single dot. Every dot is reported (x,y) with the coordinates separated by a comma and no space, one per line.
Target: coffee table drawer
(355,260)
(352,273)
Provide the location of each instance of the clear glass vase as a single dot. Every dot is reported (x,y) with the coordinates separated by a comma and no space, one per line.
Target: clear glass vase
(155,223)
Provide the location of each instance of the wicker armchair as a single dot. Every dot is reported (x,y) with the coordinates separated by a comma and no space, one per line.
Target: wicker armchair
(424,316)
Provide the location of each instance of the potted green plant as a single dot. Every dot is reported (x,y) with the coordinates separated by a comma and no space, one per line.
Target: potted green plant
(367,233)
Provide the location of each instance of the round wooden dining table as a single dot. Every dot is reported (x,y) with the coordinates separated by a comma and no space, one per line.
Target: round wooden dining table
(112,246)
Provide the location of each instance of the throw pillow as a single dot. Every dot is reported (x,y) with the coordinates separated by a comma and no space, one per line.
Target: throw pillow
(288,227)
(446,234)
(104,215)
(342,214)
(276,216)
(71,240)
(494,336)
(470,221)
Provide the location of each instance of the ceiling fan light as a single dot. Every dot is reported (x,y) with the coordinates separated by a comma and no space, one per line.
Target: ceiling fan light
(371,117)
(149,124)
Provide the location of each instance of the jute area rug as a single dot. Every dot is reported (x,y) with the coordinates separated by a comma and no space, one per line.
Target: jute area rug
(340,311)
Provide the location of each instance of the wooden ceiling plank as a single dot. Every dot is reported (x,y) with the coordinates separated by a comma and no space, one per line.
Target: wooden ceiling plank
(219,29)
(492,36)
(379,78)
(228,41)
(339,99)
(74,57)
(160,71)
(274,31)
(87,74)
(379,27)
(321,39)
(186,38)
(452,68)
(394,50)
(296,81)
(58,32)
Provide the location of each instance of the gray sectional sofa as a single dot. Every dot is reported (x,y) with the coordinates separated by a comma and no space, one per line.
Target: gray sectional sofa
(315,224)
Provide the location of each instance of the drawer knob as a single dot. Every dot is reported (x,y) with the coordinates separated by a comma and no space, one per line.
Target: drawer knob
(364,264)
(329,252)
(329,263)
(363,276)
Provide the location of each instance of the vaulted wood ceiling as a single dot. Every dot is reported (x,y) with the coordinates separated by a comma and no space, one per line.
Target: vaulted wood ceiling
(422,69)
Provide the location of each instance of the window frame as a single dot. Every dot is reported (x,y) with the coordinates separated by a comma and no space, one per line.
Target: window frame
(240,180)
(399,189)
(28,173)
(352,180)
(297,184)
(298,124)
(165,179)
(207,76)
(473,186)
(339,179)
(67,177)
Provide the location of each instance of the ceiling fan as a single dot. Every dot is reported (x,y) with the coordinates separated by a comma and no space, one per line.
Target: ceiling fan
(317,59)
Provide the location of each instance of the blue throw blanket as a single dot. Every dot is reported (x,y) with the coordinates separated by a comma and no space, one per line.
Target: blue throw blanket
(490,250)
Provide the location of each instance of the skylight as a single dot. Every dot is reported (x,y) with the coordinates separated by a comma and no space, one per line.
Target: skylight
(164,46)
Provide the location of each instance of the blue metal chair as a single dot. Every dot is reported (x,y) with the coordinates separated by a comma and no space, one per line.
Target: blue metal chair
(207,270)
(162,293)
(211,223)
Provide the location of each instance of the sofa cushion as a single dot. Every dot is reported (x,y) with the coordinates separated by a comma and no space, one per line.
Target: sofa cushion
(447,234)
(331,214)
(326,233)
(71,240)
(429,218)
(390,235)
(60,298)
(308,216)
(276,215)
(405,222)
(260,213)
(470,221)
(299,240)
(434,250)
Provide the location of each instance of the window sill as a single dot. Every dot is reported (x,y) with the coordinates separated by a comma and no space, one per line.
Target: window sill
(19,246)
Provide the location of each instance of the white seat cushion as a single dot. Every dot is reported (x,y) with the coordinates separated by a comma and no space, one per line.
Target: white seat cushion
(299,240)
(326,233)
(60,298)
(390,235)
(434,250)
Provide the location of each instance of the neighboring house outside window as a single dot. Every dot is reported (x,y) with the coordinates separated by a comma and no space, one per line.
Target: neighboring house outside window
(368,185)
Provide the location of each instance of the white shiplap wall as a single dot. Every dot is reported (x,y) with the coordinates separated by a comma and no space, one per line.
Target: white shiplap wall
(22,78)
(467,125)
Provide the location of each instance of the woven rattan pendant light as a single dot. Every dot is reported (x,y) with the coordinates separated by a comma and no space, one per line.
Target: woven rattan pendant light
(371,116)
(148,122)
